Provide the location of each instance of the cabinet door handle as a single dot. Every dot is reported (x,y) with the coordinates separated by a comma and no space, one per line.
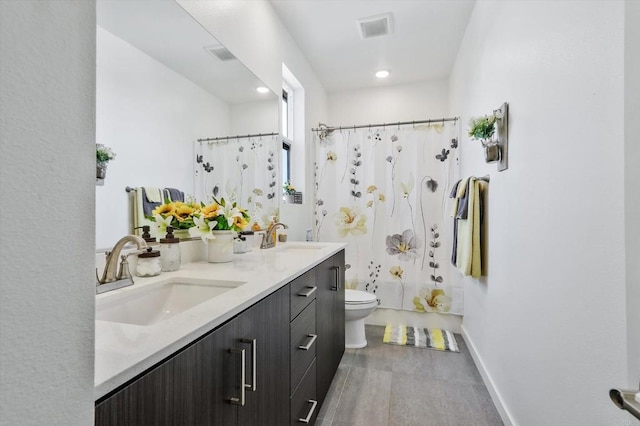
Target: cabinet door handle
(311,342)
(239,401)
(336,269)
(307,419)
(254,363)
(309,292)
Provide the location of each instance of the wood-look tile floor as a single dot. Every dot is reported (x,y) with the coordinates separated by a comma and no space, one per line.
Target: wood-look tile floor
(387,385)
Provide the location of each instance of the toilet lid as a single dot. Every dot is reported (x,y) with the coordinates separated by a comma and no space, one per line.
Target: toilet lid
(356,297)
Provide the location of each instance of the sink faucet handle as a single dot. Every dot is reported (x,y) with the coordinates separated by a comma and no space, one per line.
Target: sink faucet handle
(124,272)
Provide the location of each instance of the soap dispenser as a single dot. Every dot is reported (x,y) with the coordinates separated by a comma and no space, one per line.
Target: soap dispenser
(149,263)
(170,251)
(146,235)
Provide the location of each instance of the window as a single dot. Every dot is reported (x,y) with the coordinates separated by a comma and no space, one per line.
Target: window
(287,132)
(285,114)
(286,162)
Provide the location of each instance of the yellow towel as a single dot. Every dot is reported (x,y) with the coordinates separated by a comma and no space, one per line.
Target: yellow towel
(476,246)
(465,235)
(470,238)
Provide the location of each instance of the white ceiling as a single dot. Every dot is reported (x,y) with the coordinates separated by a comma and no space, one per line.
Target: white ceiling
(422,46)
(164,31)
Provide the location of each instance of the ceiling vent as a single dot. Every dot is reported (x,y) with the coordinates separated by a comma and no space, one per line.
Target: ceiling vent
(220,52)
(375,26)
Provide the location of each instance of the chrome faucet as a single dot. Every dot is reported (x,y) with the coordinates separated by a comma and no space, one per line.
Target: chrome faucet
(267,238)
(112,278)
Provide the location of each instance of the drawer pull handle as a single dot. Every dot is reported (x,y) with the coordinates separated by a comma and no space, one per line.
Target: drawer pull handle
(313,408)
(309,292)
(254,363)
(311,342)
(336,269)
(240,401)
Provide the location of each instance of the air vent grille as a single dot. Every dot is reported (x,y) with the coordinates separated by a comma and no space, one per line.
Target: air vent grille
(220,52)
(375,26)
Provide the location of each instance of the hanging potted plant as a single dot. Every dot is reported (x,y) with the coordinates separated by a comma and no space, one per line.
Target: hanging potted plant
(483,129)
(104,154)
(288,193)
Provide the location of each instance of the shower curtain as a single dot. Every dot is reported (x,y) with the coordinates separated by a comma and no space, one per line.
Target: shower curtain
(385,191)
(244,170)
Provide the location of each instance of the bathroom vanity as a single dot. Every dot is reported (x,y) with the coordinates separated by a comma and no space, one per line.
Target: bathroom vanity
(262,352)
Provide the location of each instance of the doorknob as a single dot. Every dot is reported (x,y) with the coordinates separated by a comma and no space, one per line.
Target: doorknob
(626,400)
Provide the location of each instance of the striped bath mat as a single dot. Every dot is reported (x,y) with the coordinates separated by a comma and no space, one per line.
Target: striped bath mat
(432,338)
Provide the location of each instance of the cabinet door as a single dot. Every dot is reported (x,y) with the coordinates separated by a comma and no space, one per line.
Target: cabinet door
(338,319)
(329,321)
(265,326)
(192,387)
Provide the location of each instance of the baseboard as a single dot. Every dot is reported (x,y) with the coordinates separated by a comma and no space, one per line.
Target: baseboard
(486,377)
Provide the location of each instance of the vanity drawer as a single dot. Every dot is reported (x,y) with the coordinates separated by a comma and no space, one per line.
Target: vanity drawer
(303,343)
(304,403)
(303,292)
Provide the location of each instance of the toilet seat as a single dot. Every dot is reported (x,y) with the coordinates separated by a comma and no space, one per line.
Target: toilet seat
(357,298)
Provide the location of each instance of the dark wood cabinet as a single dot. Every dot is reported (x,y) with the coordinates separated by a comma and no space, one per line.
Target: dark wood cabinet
(192,387)
(291,343)
(330,320)
(201,385)
(268,324)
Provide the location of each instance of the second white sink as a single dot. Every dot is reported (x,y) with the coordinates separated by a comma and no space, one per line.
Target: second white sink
(152,304)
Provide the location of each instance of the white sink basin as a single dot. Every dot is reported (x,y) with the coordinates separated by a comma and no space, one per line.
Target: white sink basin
(154,303)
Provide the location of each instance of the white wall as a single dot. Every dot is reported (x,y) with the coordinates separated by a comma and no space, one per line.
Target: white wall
(632,193)
(252,31)
(47,181)
(548,325)
(255,117)
(386,104)
(150,116)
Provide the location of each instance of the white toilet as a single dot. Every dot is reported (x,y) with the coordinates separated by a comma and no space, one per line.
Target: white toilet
(358,305)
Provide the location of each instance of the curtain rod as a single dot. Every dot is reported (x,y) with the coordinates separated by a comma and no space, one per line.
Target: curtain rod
(326,128)
(222,138)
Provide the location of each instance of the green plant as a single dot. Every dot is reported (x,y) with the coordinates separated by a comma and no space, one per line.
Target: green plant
(482,128)
(288,188)
(104,154)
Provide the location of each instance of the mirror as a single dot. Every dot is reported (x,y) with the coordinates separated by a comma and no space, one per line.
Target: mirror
(162,83)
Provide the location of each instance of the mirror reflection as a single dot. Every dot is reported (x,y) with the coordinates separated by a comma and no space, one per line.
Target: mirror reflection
(162,83)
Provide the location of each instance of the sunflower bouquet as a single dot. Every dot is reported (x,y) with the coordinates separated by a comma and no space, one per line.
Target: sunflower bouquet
(219,216)
(177,214)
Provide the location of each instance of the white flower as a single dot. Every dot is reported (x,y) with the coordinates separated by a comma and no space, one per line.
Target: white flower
(408,187)
(162,223)
(230,213)
(202,229)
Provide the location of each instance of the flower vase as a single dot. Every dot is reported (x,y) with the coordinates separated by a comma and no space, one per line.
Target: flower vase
(101,171)
(221,247)
(183,234)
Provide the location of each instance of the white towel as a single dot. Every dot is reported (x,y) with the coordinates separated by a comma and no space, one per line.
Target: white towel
(154,195)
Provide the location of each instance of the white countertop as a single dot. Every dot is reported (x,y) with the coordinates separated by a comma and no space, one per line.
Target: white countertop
(123,351)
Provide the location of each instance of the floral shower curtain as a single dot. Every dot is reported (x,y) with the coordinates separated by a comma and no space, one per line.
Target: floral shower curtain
(244,170)
(386,193)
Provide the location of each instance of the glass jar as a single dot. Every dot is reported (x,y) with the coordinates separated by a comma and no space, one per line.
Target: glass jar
(170,252)
(149,263)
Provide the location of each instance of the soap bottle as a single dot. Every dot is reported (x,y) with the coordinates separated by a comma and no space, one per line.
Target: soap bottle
(146,235)
(170,251)
(148,263)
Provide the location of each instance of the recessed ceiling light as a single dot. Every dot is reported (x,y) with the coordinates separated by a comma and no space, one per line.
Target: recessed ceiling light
(262,89)
(382,74)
